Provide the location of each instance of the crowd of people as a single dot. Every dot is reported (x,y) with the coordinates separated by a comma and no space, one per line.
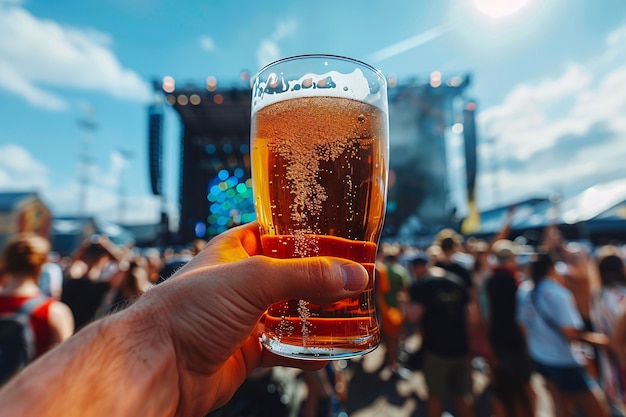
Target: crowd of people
(60,296)
(556,310)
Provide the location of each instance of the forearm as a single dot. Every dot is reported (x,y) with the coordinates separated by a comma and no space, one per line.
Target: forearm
(118,366)
(593,338)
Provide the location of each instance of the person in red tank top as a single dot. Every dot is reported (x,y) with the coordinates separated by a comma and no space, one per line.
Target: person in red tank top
(22,259)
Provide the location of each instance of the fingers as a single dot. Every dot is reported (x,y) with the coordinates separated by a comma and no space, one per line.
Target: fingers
(231,246)
(245,236)
(316,279)
(248,237)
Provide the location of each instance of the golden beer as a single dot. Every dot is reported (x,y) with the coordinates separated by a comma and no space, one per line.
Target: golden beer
(319,170)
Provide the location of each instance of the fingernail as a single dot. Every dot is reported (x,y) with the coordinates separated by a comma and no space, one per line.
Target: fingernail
(352,275)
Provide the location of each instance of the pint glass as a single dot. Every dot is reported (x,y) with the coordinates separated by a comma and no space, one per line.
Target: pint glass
(319,154)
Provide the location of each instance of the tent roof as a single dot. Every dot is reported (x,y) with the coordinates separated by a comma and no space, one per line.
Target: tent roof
(594,202)
(606,201)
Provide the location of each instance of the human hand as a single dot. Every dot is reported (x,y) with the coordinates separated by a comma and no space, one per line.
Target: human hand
(210,311)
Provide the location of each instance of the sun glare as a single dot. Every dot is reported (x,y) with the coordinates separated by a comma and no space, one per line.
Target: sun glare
(499,8)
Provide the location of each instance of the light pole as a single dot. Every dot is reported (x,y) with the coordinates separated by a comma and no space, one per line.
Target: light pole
(126,154)
(87,125)
(495,167)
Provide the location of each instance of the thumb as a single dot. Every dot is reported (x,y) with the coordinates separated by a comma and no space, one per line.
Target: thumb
(316,279)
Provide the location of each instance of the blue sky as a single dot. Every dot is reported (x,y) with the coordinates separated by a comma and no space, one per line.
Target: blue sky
(549,80)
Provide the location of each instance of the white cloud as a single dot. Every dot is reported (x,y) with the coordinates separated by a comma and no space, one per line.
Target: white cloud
(284,29)
(561,134)
(38,55)
(608,99)
(573,79)
(615,43)
(20,171)
(207,43)
(102,202)
(269,50)
(527,112)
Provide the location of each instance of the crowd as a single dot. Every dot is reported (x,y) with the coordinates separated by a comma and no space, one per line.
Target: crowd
(60,296)
(556,309)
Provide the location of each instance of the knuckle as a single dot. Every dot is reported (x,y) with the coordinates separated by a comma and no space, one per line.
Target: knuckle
(320,272)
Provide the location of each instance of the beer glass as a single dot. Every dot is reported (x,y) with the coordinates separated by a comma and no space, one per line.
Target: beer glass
(320,158)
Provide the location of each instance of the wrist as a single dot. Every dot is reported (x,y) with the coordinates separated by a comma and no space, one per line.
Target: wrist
(117,366)
(147,361)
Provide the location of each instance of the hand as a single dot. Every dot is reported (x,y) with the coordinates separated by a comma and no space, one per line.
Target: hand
(597,339)
(187,344)
(211,309)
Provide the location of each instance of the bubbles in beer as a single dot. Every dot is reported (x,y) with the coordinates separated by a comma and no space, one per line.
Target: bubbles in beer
(316,154)
(284,328)
(305,314)
(305,242)
(319,172)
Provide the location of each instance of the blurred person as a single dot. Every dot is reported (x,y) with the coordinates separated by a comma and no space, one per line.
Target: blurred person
(49,321)
(393,287)
(548,313)
(453,259)
(607,305)
(187,344)
(479,343)
(439,306)
(481,268)
(449,241)
(483,252)
(510,363)
(130,282)
(322,398)
(419,264)
(196,246)
(2,274)
(155,263)
(172,262)
(577,260)
(266,392)
(87,278)
(617,341)
(50,278)
(168,253)
(573,264)
(434,253)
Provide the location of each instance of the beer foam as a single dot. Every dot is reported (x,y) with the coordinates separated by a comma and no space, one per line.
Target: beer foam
(331,84)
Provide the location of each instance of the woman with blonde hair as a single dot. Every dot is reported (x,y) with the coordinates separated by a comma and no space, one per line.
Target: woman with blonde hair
(50,321)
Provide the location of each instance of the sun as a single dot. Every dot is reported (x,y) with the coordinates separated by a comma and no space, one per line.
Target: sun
(499,8)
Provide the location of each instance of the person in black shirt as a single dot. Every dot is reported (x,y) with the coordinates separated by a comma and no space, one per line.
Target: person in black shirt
(511,364)
(84,287)
(449,241)
(439,303)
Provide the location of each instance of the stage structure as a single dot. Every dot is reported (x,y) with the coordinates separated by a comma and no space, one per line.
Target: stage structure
(420,117)
(215,188)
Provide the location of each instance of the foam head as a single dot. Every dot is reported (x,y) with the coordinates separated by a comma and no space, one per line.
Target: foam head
(322,76)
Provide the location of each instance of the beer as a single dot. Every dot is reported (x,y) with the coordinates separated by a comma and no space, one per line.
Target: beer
(319,169)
